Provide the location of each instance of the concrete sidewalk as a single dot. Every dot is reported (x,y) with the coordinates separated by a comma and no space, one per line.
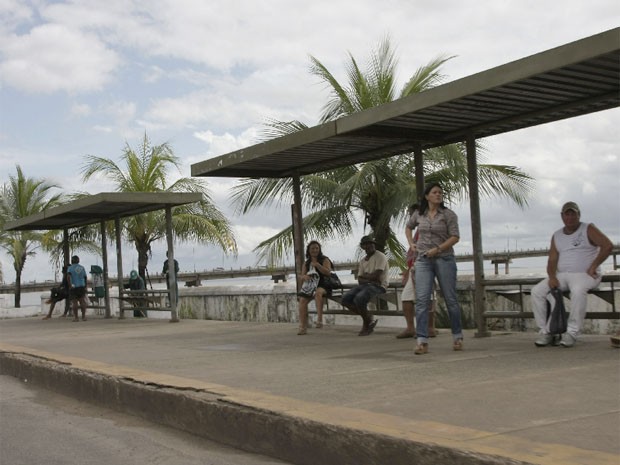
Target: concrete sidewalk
(334,397)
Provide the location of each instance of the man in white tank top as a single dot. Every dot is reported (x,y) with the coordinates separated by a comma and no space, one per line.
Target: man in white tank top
(576,252)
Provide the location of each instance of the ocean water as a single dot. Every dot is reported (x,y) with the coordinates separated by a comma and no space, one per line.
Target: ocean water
(520,268)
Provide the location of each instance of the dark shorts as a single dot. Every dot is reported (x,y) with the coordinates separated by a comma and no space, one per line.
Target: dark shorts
(77,292)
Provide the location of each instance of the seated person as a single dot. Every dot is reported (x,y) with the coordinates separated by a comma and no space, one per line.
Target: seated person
(316,269)
(372,279)
(58,294)
(136,283)
(575,255)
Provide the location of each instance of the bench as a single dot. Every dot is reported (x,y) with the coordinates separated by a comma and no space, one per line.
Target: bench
(523,286)
(143,300)
(390,297)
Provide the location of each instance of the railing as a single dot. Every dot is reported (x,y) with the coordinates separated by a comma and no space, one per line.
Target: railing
(513,289)
(516,289)
(279,273)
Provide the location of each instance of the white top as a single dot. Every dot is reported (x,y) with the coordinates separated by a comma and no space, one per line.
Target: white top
(576,253)
(377,261)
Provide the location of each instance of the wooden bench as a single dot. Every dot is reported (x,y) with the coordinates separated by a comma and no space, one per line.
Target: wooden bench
(143,300)
(379,301)
(523,286)
(95,303)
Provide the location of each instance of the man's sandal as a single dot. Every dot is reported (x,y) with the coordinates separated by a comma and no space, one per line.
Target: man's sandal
(458,344)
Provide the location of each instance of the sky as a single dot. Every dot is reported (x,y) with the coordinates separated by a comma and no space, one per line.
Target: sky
(87,77)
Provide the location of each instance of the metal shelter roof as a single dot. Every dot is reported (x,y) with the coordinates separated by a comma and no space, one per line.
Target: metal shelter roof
(571,80)
(101,207)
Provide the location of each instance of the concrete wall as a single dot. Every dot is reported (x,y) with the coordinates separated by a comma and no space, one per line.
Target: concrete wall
(278,304)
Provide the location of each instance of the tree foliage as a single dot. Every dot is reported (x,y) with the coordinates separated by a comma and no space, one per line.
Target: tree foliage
(148,170)
(380,191)
(20,197)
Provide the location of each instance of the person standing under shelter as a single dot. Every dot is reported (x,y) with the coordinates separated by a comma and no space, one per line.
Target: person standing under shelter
(372,276)
(575,255)
(438,232)
(77,279)
(165,272)
(408,295)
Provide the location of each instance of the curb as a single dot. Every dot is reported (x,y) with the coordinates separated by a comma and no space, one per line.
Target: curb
(237,418)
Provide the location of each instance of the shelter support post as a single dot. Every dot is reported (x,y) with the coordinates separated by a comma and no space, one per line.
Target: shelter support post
(172,276)
(106,281)
(476,233)
(298,231)
(66,262)
(418,163)
(119,264)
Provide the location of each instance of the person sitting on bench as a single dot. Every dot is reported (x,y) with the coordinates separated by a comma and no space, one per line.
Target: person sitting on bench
(575,255)
(372,279)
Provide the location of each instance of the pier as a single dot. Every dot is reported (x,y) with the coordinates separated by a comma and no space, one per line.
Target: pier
(280,273)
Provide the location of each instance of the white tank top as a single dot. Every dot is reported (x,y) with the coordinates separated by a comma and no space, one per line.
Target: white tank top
(576,251)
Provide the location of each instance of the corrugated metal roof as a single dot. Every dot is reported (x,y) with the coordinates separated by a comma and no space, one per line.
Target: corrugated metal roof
(101,207)
(571,80)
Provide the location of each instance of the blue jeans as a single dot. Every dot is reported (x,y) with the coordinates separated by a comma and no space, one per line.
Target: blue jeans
(359,296)
(426,270)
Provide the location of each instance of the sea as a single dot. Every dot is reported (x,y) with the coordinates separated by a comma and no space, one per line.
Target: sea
(531,267)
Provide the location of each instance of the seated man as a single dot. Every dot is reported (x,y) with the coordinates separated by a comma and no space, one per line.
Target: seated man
(575,254)
(136,283)
(372,279)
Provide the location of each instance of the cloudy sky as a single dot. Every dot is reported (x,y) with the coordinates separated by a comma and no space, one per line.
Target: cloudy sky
(86,77)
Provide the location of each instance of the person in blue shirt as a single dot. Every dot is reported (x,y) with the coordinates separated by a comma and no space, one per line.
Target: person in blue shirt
(78,279)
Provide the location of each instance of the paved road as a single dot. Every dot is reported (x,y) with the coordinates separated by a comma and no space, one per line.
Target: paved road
(38,426)
(500,396)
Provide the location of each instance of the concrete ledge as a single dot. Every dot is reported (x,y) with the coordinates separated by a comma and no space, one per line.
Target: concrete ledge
(291,430)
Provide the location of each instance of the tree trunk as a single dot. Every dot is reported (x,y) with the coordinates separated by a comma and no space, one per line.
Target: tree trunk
(18,288)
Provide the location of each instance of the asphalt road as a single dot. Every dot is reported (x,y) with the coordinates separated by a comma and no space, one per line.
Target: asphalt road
(42,427)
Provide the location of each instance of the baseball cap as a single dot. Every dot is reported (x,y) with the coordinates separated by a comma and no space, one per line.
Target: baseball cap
(366,240)
(570,206)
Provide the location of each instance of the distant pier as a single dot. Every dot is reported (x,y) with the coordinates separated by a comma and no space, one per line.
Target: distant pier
(280,273)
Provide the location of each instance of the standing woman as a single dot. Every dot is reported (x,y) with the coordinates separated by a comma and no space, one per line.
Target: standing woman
(316,268)
(438,232)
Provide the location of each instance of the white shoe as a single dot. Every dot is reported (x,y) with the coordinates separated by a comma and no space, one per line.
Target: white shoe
(545,340)
(568,340)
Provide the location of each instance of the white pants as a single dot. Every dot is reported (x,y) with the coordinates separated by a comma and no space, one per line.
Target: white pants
(578,284)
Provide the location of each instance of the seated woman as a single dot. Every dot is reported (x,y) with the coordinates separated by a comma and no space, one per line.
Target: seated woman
(314,272)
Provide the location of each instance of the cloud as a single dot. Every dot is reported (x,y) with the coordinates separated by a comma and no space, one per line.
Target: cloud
(86,77)
(52,58)
(80,109)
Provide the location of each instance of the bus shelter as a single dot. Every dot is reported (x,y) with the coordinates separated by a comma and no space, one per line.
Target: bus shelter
(111,206)
(574,79)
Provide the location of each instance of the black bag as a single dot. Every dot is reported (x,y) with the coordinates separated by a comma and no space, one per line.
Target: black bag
(333,281)
(556,316)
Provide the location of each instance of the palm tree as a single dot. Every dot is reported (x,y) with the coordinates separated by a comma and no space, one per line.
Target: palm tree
(381,190)
(147,171)
(22,197)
